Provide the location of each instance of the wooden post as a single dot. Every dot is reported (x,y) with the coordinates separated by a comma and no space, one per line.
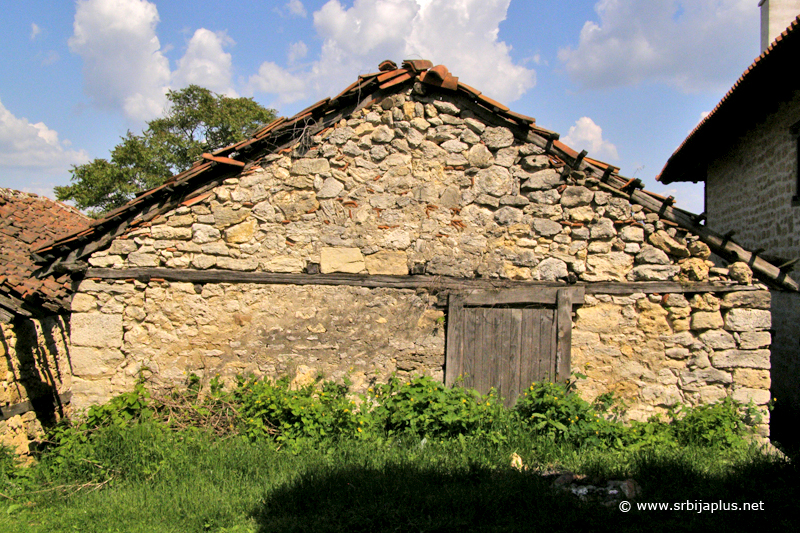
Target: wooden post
(564,339)
(454,359)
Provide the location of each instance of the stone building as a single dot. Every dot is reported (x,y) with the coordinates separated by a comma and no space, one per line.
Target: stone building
(395,228)
(34,322)
(747,152)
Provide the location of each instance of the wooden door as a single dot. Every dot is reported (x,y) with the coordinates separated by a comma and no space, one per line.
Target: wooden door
(508,339)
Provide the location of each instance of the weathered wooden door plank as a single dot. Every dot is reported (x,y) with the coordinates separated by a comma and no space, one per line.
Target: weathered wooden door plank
(454,358)
(564,341)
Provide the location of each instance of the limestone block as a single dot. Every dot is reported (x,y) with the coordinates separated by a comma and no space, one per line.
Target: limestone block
(203,233)
(632,233)
(387,263)
(241,233)
(676,300)
(331,188)
(539,181)
(694,269)
(228,216)
(652,256)
(341,260)
(747,319)
(603,229)
(662,395)
(230,263)
(294,204)
(88,361)
(106,261)
(702,320)
(303,167)
(552,269)
(740,272)
(653,272)
(741,359)
(718,339)
(696,378)
(264,212)
(505,216)
(494,180)
(653,320)
(661,239)
(82,303)
(704,302)
(752,378)
(283,264)
(752,340)
(506,156)
(601,318)
(613,266)
(699,249)
(143,260)
(86,393)
(172,233)
(757,396)
(122,246)
(710,394)
(382,134)
(575,196)
(751,299)
(342,135)
(496,138)
(583,213)
(546,227)
(96,329)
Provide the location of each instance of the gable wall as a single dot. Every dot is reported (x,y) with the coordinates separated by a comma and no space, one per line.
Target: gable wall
(412,185)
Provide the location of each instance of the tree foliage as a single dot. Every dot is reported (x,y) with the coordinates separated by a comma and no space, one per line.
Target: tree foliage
(196,121)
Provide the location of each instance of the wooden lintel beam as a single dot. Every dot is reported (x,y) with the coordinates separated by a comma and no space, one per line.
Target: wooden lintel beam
(434,283)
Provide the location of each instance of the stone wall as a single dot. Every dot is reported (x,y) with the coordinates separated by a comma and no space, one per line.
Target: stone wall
(35,369)
(413,184)
(655,351)
(749,188)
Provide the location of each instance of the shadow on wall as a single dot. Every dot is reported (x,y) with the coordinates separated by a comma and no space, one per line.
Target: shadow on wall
(35,366)
(785,373)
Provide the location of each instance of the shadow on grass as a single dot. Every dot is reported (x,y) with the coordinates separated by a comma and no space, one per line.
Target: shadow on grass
(404,497)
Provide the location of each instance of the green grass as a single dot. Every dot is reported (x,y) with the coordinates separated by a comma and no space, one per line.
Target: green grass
(165,481)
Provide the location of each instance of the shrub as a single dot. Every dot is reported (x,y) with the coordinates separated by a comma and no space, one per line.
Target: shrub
(427,408)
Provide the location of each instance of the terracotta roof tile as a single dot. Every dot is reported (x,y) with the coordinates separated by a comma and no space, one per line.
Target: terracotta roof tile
(29,222)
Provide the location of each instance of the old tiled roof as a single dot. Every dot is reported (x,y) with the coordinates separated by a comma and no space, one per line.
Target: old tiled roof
(770,79)
(27,222)
(285,134)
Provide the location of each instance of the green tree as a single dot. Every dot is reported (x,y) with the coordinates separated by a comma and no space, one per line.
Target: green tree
(196,121)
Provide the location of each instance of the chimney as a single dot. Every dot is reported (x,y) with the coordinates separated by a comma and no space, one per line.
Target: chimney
(776,16)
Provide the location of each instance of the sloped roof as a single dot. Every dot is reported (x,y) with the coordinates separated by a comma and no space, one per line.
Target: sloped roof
(771,78)
(27,222)
(283,134)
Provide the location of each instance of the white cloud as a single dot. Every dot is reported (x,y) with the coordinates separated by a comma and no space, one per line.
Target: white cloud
(205,63)
(461,34)
(295,7)
(692,45)
(124,67)
(586,135)
(35,30)
(297,50)
(272,79)
(27,145)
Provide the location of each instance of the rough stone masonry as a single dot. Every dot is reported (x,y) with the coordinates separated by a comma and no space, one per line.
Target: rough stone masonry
(416,183)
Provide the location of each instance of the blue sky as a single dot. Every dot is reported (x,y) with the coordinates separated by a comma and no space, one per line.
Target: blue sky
(625,79)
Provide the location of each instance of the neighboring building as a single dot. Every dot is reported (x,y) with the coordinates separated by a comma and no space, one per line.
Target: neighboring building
(747,152)
(35,377)
(413,225)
